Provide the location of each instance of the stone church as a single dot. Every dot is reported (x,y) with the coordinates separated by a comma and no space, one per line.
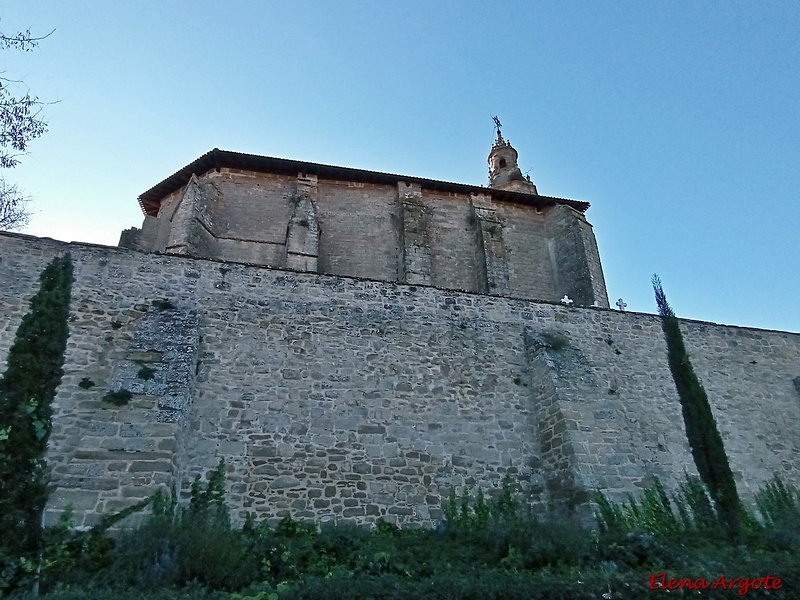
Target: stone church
(356,344)
(504,240)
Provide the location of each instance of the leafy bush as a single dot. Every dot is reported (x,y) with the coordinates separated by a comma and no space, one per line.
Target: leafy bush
(475,514)
(778,503)
(655,513)
(178,546)
(86,593)
(163,304)
(779,506)
(486,584)
(86,383)
(118,397)
(487,549)
(146,373)
(503,534)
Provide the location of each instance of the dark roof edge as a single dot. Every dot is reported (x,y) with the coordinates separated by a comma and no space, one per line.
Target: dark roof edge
(218,159)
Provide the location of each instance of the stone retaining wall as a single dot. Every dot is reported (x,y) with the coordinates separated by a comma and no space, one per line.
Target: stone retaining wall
(340,399)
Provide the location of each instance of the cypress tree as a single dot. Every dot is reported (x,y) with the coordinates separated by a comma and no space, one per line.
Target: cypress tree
(705,442)
(27,389)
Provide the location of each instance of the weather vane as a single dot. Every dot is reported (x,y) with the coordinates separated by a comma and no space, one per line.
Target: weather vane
(497,124)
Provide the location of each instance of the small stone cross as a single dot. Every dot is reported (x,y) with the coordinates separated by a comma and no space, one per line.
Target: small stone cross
(567,300)
(621,305)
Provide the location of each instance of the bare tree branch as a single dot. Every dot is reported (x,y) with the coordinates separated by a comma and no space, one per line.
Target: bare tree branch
(22,40)
(13,207)
(19,125)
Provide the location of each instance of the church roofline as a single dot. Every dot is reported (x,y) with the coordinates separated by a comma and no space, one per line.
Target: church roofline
(150,201)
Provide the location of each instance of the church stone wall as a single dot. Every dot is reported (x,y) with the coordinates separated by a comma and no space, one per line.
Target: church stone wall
(399,233)
(530,269)
(455,252)
(359,230)
(162,227)
(344,399)
(567,245)
(242,213)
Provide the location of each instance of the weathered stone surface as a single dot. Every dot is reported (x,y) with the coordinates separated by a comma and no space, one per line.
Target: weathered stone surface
(395,231)
(371,429)
(449,398)
(284,481)
(80,500)
(148,466)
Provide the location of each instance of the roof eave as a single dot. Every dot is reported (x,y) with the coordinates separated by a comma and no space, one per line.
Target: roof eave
(150,201)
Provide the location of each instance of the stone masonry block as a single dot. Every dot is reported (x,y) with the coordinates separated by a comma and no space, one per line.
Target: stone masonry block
(459,353)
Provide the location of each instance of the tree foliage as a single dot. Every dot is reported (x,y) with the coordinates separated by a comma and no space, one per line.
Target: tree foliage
(705,442)
(20,123)
(27,389)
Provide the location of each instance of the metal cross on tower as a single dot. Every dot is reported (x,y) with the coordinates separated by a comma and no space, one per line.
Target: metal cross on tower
(621,305)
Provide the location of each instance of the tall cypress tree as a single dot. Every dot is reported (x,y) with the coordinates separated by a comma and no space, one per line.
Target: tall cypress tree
(27,389)
(705,442)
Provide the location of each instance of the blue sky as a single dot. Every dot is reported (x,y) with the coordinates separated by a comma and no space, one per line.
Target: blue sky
(678,121)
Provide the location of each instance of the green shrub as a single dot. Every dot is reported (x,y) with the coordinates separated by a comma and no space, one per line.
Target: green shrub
(86,383)
(778,502)
(163,304)
(486,584)
(694,501)
(506,553)
(501,533)
(654,513)
(91,593)
(468,513)
(146,373)
(118,397)
(178,546)
(779,506)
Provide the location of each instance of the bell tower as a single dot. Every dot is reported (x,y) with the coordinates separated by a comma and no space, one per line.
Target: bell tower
(504,173)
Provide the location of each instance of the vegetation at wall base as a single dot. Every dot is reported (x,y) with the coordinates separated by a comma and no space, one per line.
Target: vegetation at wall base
(490,547)
(27,389)
(705,442)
